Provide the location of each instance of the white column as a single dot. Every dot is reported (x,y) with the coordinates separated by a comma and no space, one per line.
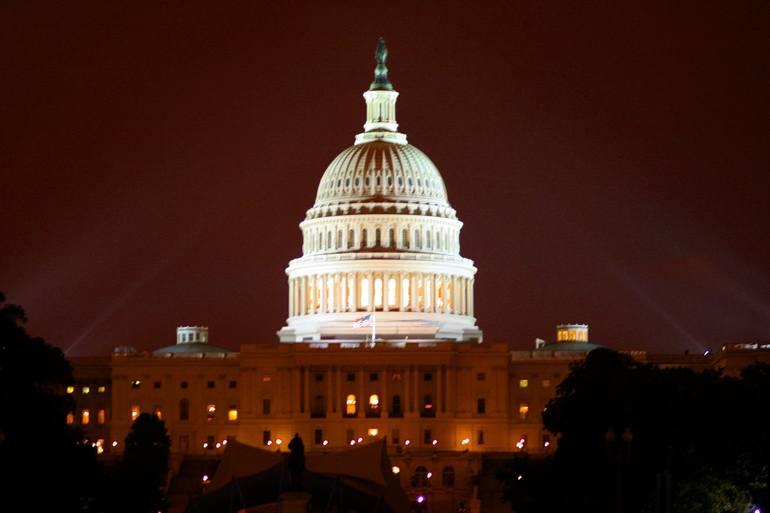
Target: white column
(434,290)
(470,297)
(412,292)
(445,291)
(399,292)
(371,292)
(354,291)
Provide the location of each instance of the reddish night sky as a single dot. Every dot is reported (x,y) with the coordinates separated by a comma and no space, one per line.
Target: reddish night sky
(610,164)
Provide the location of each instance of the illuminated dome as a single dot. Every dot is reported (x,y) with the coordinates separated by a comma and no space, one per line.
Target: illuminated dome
(381,239)
(383,172)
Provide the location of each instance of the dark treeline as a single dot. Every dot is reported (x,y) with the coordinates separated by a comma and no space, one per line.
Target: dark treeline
(636,438)
(44,463)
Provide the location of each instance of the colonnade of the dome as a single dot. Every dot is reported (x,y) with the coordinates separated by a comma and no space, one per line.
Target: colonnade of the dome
(355,233)
(371,291)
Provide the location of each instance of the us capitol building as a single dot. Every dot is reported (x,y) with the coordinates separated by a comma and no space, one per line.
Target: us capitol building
(380,342)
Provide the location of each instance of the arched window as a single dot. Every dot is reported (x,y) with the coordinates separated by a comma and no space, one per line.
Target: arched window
(405,295)
(364,301)
(448,476)
(392,292)
(377,238)
(184,409)
(351,238)
(364,242)
(417,241)
(350,405)
(428,240)
(391,238)
(378,292)
(420,477)
(339,240)
(404,238)
(330,294)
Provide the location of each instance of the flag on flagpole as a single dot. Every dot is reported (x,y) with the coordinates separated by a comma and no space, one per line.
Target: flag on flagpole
(366,320)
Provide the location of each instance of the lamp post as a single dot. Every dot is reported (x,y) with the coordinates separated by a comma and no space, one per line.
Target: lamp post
(620,446)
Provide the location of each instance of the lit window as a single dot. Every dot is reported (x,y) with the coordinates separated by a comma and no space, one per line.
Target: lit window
(266,379)
(523,383)
(70,418)
(392,292)
(101,416)
(211,412)
(86,390)
(330,294)
(135,411)
(136,383)
(232,414)
(373,431)
(70,390)
(378,292)
(546,383)
(101,389)
(523,411)
(405,292)
(364,302)
(157,412)
(350,405)
(374,401)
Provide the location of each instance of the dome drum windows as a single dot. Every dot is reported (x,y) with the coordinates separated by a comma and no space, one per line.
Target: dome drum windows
(381,292)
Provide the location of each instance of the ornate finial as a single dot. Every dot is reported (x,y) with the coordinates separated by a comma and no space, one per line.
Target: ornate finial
(381,82)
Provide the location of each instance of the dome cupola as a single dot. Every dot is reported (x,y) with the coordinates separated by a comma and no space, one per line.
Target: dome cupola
(381,238)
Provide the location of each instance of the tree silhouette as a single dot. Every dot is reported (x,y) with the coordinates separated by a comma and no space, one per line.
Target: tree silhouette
(44,464)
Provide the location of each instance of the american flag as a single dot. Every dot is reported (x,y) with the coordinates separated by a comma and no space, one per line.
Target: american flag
(363,321)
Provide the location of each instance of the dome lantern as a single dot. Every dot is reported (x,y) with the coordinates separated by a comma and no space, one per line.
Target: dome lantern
(381,105)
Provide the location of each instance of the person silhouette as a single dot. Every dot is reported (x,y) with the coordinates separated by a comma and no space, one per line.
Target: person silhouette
(296,461)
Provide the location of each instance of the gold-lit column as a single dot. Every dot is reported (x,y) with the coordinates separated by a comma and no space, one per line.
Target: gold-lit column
(303,295)
(371,292)
(470,297)
(434,290)
(322,291)
(399,292)
(384,292)
(413,292)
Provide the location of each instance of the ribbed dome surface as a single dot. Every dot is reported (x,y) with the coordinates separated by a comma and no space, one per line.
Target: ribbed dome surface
(381,171)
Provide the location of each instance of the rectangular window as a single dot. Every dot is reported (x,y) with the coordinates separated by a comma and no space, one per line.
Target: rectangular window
(156,384)
(233,384)
(546,383)
(210,384)
(86,390)
(265,406)
(101,416)
(428,376)
(523,411)
(85,417)
(266,379)
(70,390)
(427,436)
(480,437)
(101,389)
(265,436)
(481,405)
(523,383)
(318,436)
(135,411)
(136,383)
(481,376)
(70,418)
(319,377)
(232,413)
(211,412)
(351,376)
(395,437)
(374,376)
(156,411)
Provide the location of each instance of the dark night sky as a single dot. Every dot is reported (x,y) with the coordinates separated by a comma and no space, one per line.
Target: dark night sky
(610,162)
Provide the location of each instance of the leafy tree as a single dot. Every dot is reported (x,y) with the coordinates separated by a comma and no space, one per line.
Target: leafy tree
(141,476)
(43,463)
(632,435)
